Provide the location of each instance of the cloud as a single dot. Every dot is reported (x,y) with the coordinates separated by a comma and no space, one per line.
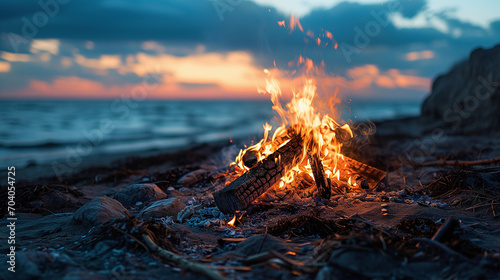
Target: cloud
(50,46)
(113,42)
(103,62)
(15,56)
(412,56)
(412,8)
(4,67)
(369,75)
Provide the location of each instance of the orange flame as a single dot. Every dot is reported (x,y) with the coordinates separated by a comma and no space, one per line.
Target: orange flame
(300,117)
(233,220)
(295,23)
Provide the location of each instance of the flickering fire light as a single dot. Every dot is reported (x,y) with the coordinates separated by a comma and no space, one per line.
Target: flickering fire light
(233,220)
(320,132)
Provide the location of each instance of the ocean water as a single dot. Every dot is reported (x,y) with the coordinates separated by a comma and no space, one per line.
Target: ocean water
(39,132)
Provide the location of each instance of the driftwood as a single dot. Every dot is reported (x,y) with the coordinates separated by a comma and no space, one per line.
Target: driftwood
(182,262)
(241,192)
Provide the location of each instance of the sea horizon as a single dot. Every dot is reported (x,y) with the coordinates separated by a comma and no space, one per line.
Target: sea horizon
(38,132)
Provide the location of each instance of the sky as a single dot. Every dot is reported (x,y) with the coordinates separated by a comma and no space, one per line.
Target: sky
(218,49)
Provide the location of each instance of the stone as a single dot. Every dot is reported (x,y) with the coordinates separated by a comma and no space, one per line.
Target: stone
(98,211)
(467,98)
(401,193)
(163,208)
(42,264)
(144,193)
(192,177)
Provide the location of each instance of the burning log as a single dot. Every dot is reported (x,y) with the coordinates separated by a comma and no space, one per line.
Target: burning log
(322,182)
(372,175)
(242,191)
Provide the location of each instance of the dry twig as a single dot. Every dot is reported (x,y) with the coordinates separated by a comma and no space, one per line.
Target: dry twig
(440,246)
(182,262)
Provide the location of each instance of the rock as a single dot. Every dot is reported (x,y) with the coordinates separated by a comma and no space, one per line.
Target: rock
(467,98)
(98,211)
(192,177)
(83,275)
(144,193)
(102,248)
(401,193)
(46,265)
(163,208)
(216,213)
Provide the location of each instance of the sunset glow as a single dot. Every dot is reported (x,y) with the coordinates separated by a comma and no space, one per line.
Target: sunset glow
(198,53)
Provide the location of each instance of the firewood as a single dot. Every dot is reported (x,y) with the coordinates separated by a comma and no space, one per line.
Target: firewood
(446,229)
(372,175)
(322,182)
(241,192)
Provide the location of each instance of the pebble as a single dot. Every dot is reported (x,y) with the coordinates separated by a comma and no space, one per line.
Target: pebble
(192,177)
(401,193)
(144,193)
(98,211)
(163,208)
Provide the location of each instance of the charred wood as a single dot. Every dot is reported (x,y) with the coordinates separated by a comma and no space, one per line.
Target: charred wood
(372,175)
(322,182)
(241,192)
